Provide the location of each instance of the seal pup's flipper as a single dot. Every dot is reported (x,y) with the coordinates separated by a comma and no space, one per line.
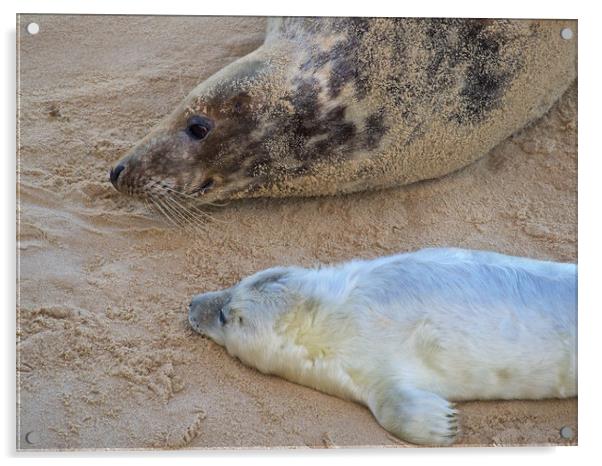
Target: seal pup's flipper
(414,415)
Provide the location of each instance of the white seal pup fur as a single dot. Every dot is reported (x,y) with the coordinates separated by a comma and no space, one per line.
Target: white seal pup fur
(407,333)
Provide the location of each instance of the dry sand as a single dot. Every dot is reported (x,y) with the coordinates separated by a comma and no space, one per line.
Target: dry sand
(106,359)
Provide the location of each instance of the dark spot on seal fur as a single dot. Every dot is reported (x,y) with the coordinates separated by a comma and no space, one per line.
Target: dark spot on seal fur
(340,134)
(345,65)
(240,102)
(487,76)
(342,71)
(258,166)
(342,56)
(339,131)
(316,61)
(470,43)
(305,102)
(480,94)
(375,129)
(308,120)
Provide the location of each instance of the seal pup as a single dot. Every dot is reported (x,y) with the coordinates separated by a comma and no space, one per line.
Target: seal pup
(406,334)
(337,105)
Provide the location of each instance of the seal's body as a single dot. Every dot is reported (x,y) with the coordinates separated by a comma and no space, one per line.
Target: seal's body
(333,105)
(405,334)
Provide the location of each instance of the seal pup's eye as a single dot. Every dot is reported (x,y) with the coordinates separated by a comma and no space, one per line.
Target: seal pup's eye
(198,127)
(222,317)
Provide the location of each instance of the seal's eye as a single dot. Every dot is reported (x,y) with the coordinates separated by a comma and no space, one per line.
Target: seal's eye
(222,317)
(198,127)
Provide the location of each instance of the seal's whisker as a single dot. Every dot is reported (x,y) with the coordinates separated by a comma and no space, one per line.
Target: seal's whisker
(191,220)
(191,208)
(176,212)
(201,213)
(193,198)
(147,204)
(197,221)
(150,204)
(162,211)
(161,207)
(183,214)
(190,212)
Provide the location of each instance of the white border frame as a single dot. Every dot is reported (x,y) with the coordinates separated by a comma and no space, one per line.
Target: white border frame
(590,233)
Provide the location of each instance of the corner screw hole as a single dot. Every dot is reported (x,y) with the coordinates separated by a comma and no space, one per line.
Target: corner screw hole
(33,28)
(567,433)
(566,33)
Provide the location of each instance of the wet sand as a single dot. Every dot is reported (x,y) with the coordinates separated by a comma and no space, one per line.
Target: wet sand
(106,358)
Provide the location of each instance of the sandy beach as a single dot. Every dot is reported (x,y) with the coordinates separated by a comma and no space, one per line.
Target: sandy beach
(105,356)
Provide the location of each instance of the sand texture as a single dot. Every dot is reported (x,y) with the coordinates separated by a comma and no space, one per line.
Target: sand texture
(105,356)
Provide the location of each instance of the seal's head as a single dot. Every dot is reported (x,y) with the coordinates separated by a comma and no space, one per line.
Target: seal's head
(240,317)
(208,148)
(262,126)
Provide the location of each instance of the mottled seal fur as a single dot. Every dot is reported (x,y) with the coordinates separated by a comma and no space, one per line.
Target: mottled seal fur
(335,105)
(405,334)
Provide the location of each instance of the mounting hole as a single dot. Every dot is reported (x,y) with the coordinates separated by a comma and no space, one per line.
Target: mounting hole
(567,433)
(566,33)
(33,28)
(31,438)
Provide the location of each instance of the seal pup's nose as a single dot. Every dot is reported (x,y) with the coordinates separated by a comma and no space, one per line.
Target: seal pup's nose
(114,173)
(193,311)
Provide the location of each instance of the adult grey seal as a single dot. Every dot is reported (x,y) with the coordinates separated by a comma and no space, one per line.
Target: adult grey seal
(336,105)
(407,333)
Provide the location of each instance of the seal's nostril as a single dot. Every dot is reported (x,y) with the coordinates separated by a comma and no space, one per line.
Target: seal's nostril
(114,174)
